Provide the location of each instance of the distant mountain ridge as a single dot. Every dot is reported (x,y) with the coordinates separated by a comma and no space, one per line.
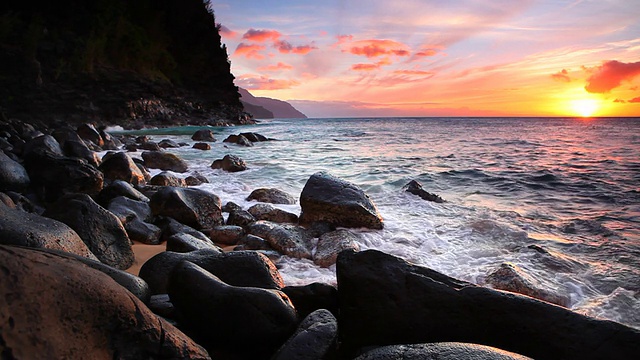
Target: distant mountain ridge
(268,108)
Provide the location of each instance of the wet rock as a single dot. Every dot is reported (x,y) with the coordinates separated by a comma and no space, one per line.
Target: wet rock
(13,176)
(240,218)
(168,144)
(229,163)
(45,144)
(254,137)
(223,317)
(202,146)
(231,207)
(203,135)
(110,142)
(273,196)
(183,242)
(385,300)
(167,179)
(119,188)
(415,188)
(161,305)
(289,240)
(98,228)
(309,298)
(239,140)
(150,146)
(164,161)
(252,242)
(88,132)
(237,268)
(136,216)
(331,244)
(32,230)
(171,227)
(193,207)
(270,213)
(120,166)
(195,180)
(23,203)
(440,351)
(226,234)
(336,201)
(81,314)
(510,277)
(7,201)
(80,150)
(314,339)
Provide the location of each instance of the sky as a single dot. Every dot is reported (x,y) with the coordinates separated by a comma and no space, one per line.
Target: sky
(363,58)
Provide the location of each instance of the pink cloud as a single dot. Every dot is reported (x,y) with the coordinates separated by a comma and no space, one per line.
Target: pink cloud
(249,51)
(561,76)
(226,32)
(635,100)
(426,52)
(285,47)
(374,48)
(610,75)
(277,67)
(414,72)
(256,82)
(261,35)
(365,67)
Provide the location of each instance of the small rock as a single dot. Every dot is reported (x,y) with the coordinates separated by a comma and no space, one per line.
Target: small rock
(167,179)
(168,144)
(270,213)
(254,137)
(240,218)
(196,179)
(289,240)
(229,163)
(252,242)
(226,234)
(414,187)
(90,133)
(183,242)
(273,196)
(440,351)
(202,146)
(238,139)
(164,161)
(231,207)
(119,188)
(510,277)
(203,135)
(120,166)
(331,244)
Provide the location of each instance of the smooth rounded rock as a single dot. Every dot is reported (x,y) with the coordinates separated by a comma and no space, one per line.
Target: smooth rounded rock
(193,207)
(270,195)
(164,161)
(314,339)
(289,240)
(203,135)
(270,213)
(120,166)
(230,163)
(226,234)
(183,243)
(167,179)
(440,351)
(331,244)
(13,176)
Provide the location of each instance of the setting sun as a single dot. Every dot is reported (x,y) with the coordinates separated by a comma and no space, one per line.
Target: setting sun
(585,107)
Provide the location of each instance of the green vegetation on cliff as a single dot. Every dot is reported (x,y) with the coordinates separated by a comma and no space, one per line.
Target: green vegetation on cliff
(114,61)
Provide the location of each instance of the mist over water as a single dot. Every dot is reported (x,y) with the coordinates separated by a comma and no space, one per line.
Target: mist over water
(571,187)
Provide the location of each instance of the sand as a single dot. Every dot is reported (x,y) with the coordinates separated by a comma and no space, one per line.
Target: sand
(144,252)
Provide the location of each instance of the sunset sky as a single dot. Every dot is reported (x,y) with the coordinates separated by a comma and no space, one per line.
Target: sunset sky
(438,58)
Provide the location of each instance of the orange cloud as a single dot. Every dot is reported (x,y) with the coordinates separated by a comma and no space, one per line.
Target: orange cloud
(249,51)
(427,52)
(374,48)
(261,35)
(610,75)
(285,47)
(561,76)
(365,67)
(635,100)
(277,67)
(255,82)
(226,32)
(413,72)
(619,101)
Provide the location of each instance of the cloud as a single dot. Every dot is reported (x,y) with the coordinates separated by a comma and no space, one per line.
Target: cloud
(226,32)
(257,82)
(375,48)
(619,101)
(261,35)
(249,51)
(365,67)
(635,100)
(561,76)
(414,72)
(285,47)
(610,75)
(277,67)
(426,52)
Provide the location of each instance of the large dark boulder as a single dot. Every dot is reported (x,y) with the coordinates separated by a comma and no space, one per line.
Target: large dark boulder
(270,195)
(119,188)
(97,227)
(314,339)
(203,135)
(225,319)
(270,213)
(164,161)
(120,166)
(226,234)
(289,240)
(193,207)
(384,300)
(168,144)
(45,144)
(238,139)
(309,298)
(238,268)
(331,244)
(167,179)
(229,163)
(440,351)
(183,242)
(55,307)
(31,230)
(414,187)
(78,149)
(171,227)
(339,202)
(88,132)
(240,218)
(254,137)
(136,218)
(13,176)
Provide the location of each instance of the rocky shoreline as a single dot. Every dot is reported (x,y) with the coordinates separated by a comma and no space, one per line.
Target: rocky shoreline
(69,220)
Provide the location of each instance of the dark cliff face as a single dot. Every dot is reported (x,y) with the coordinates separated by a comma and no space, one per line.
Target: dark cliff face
(140,62)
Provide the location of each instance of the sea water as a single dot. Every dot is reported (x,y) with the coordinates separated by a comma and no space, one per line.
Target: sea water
(570,186)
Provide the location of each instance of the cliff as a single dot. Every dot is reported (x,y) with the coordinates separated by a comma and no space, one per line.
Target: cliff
(132,63)
(278,108)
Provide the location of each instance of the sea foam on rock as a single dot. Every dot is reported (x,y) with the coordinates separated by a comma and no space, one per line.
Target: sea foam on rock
(339,202)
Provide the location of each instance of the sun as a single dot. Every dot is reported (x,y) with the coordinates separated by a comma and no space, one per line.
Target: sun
(585,107)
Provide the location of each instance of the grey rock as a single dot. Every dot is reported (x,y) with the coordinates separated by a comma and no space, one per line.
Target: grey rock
(202,146)
(229,163)
(193,207)
(314,339)
(226,234)
(270,213)
(240,218)
(415,188)
(164,161)
(195,180)
(440,351)
(289,240)
(252,242)
(183,243)
(168,144)
(119,188)
(270,195)
(13,176)
(331,244)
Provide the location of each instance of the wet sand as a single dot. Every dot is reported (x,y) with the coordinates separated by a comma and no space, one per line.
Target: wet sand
(144,252)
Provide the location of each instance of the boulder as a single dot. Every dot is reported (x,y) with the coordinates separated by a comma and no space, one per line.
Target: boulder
(231,207)
(164,161)
(120,166)
(195,180)
(229,163)
(510,277)
(13,176)
(97,227)
(88,132)
(223,317)
(183,242)
(167,179)
(119,188)
(31,230)
(252,242)
(226,234)
(203,135)
(415,188)
(309,298)
(80,150)
(63,134)
(171,227)
(23,203)
(331,244)
(384,300)
(240,218)
(193,207)
(7,201)
(273,196)
(314,339)
(289,240)
(254,137)
(135,216)
(238,139)
(238,268)
(168,144)
(270,213)
(201,146)
(440,351)
(110,142)
(55,307)
(150,146)
(336,201)
(45,144)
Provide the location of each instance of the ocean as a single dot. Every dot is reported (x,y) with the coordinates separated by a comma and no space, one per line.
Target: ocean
(513,187)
